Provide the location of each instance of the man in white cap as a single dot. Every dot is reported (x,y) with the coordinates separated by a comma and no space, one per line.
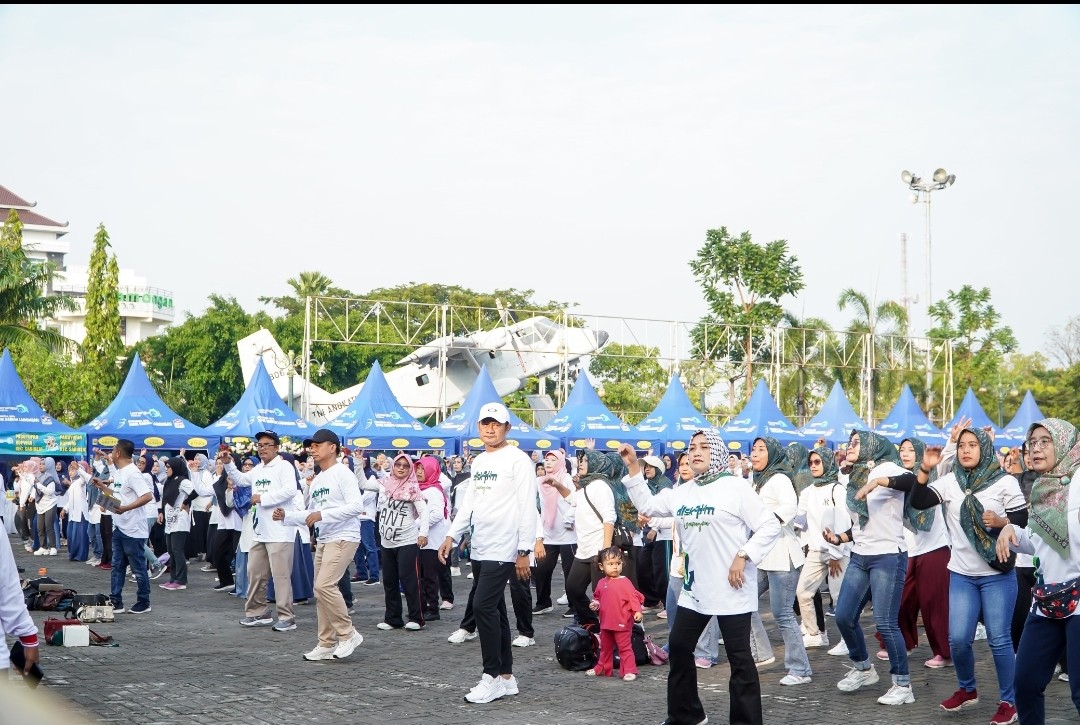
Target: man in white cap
(500,508)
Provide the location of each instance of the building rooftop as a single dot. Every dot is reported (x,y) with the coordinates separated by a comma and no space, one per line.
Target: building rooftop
(22,207)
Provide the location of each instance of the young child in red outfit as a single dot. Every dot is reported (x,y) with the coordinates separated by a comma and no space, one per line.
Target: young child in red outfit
(619,604)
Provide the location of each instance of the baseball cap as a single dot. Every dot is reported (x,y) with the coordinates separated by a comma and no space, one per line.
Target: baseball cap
(322,436)
(495,411)
(268,434)
(655,462)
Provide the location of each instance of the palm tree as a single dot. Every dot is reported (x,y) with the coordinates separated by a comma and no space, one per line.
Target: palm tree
(304,285)
(877,323)
(24,302)
(804,347)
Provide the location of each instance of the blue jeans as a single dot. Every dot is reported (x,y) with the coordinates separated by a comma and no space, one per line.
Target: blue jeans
(1041,646)
(708,644)
(128,551)
(241,576)
(881,576)
(94,531)
(994,597)
(781,587)
(366,558)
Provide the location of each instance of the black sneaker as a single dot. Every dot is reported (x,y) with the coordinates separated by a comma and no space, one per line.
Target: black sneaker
(542,610)
(569,613)
(371,582)
(139,608)
(224,588)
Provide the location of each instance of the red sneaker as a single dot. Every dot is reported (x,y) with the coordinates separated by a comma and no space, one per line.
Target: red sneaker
(1005,714)
(960,700)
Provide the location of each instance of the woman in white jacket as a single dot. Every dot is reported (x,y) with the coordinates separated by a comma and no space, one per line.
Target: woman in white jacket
(45,493)
(77,511)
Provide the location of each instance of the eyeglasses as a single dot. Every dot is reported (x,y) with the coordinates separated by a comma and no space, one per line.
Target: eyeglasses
(1036,444)
(266,445)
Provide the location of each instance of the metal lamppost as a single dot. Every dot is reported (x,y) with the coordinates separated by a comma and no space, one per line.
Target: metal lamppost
(999,393)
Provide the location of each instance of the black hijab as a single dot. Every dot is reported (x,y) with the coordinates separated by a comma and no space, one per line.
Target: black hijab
(171,490)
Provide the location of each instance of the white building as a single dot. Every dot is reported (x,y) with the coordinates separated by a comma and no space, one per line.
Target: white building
(144,310)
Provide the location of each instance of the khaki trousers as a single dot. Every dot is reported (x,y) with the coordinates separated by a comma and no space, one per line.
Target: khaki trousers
(331,561)
(816,568)
(265,560)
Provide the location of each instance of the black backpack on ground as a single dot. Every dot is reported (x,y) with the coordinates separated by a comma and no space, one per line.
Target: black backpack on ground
(576,648)
(637,641)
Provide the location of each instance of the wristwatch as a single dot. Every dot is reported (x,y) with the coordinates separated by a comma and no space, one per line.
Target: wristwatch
(743,554)
(523,552)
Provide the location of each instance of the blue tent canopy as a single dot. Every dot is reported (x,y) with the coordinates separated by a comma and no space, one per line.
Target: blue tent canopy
(462,427)
(675,419)
(907,419)
(970,408)
(26,429)
(375,419)
(836,419)
(138,414)
(760,416)
(585,416)
(260,408)
(1017,429)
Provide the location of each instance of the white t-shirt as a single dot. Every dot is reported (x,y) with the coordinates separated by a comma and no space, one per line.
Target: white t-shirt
(561,532)
(401,523)
(1002,496)
(500,505)
(923,542)
(335,494)
(713,523)
(438,524)
(884,532)
(176,518)
(588,527)
(825,507)
(129,484)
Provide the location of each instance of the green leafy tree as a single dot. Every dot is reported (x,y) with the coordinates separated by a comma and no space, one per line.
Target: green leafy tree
(743,283)
(979,340)
(24,299)
(102,347)
(631,378)
(880,323)
(805,380)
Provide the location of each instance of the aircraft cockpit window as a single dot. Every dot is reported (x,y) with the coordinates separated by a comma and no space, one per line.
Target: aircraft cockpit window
(529,338)
(422,380)
(546,328)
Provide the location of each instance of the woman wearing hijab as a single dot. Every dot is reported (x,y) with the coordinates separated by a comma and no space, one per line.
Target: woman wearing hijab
(77,510)
(199,535)
(403,523)
(229,527)
(175,515)
(877,567)
(975,498)
(778,572)
(822,507)
(713,517)
(46,490)
(1053,537)
(438,507)
(558,532)
(798,457)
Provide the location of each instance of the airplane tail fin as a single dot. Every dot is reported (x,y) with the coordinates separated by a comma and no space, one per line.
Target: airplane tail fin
(261,343)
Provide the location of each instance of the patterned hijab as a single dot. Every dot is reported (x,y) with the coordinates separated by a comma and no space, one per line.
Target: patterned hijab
(1050,492)
(985,473)
(716,467)
(609,467)
(830,472)
(798,457)
(402,489)
(918,520)
(775,463)
(874,450)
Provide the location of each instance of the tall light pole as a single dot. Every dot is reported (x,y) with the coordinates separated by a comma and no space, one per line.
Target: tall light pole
(921,191)
(293,364)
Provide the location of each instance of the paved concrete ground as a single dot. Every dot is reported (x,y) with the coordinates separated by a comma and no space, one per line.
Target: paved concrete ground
(189,660)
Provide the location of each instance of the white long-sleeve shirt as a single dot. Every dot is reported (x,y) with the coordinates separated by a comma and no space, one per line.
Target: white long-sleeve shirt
(15,621)
(500,505)
(713,522)
(1052,567)
(778,496)
(561,532)
(401,523)
(588,526)
(275,484)
(825,507)
(334,493)
(438,524)
(44,496)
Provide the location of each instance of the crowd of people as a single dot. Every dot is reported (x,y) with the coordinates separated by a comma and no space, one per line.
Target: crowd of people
(963,539)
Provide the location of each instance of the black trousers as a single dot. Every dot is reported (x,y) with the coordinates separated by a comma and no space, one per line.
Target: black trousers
(520,600)
(225,541)
(430,566)
(402,564)
(583,572)
(196,540)
(545,568)
(683,703)
(446,582)
(106,538)
(659,559)
(489,608)
(344,586)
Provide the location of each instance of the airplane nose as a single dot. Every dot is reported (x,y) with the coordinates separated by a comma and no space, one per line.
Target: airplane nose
(601,338)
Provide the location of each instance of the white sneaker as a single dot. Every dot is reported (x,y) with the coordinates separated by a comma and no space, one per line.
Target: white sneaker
(856,678)
(840,650)
(523,641)
(383,626)
(980,632)
(346,647)
(28,547)
(510,685)
(412,626)
(814,640)
(766,662)
(897,695)
(446,605)
(455,571)
(52,552)
(795,680)
(41,552)
(470,577)
(319,653)
(562,600)
(461,635)
(489,688)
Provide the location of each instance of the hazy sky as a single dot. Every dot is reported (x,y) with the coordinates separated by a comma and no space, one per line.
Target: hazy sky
(578,151)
